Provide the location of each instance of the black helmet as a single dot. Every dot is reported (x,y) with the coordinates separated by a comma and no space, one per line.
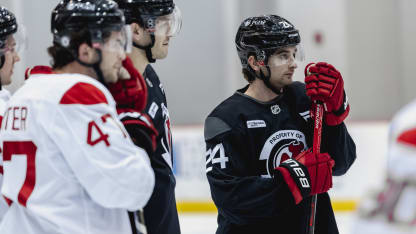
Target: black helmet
(262,35)
(98,16)
(146,12)
(8,24)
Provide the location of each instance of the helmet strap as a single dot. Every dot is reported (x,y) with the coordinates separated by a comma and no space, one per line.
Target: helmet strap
(266,80)
(95,66)
(148,48)
(2,60)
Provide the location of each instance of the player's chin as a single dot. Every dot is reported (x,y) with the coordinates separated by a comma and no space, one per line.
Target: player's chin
(111,77)
(163,53)
(6,79)
(288,80)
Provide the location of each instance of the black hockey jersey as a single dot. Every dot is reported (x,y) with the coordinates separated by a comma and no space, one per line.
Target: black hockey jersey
(245,140)
(160,213)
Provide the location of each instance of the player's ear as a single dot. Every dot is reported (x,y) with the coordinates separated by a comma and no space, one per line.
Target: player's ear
(137,31)
(86,54)
(253,63)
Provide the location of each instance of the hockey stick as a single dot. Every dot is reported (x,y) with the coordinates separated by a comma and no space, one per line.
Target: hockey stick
(316,148)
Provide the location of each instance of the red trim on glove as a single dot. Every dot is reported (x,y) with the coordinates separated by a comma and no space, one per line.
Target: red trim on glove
(132,121)
(332,120)
(291,184)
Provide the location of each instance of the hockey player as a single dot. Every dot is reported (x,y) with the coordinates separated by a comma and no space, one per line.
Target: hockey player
(69,165)
(393,210)
(259,165)
(9,56)
(153,23)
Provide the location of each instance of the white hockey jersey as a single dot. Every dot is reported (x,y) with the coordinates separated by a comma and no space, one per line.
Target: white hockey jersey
(69,165)
(4,97)
(393,210)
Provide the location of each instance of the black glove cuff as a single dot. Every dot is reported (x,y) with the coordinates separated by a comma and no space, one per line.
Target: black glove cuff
(300,175)
(343,106)
(140,137)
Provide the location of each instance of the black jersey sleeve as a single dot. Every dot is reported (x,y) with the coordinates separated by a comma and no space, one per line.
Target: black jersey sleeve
(338,143)
(242,199)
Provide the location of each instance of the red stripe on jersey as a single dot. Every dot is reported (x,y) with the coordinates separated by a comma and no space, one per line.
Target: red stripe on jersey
(1,170)
(83,93)
(408,137)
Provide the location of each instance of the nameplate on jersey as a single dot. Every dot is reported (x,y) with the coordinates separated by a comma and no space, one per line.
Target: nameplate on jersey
(153,109)
(256,124)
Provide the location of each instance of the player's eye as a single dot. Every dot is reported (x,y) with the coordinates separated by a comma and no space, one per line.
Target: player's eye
(284,56)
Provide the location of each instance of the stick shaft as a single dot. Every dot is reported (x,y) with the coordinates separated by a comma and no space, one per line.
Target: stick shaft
(316,148)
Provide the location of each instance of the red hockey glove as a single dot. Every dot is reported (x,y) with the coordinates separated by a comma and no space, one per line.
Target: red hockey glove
(130,93)
(308,174)
(324,83)
(37,70)
(140,128)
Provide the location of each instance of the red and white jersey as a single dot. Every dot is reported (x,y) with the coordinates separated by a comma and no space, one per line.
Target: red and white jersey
(402,144)
(393,210)
(4,97)
(69,165)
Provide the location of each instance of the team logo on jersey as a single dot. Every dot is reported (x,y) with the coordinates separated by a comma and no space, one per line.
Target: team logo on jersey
(280,146)
(275,109)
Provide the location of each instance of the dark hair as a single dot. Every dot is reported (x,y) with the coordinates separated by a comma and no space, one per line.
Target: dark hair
(248,75)
(61,56)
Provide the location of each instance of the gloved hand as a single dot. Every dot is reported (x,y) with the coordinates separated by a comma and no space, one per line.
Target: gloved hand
(132,92)
(324,83)
(307,174)
(140,128)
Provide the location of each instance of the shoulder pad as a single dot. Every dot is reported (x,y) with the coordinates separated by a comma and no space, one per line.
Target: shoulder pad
(84,94)
(215,126)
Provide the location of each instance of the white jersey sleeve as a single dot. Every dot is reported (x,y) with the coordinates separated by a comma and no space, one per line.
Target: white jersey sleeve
(402,144)
(4,97)
(69,165)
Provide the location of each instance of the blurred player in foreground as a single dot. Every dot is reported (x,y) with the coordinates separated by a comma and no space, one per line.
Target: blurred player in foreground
(393,209)
(69,165)
(9,47)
